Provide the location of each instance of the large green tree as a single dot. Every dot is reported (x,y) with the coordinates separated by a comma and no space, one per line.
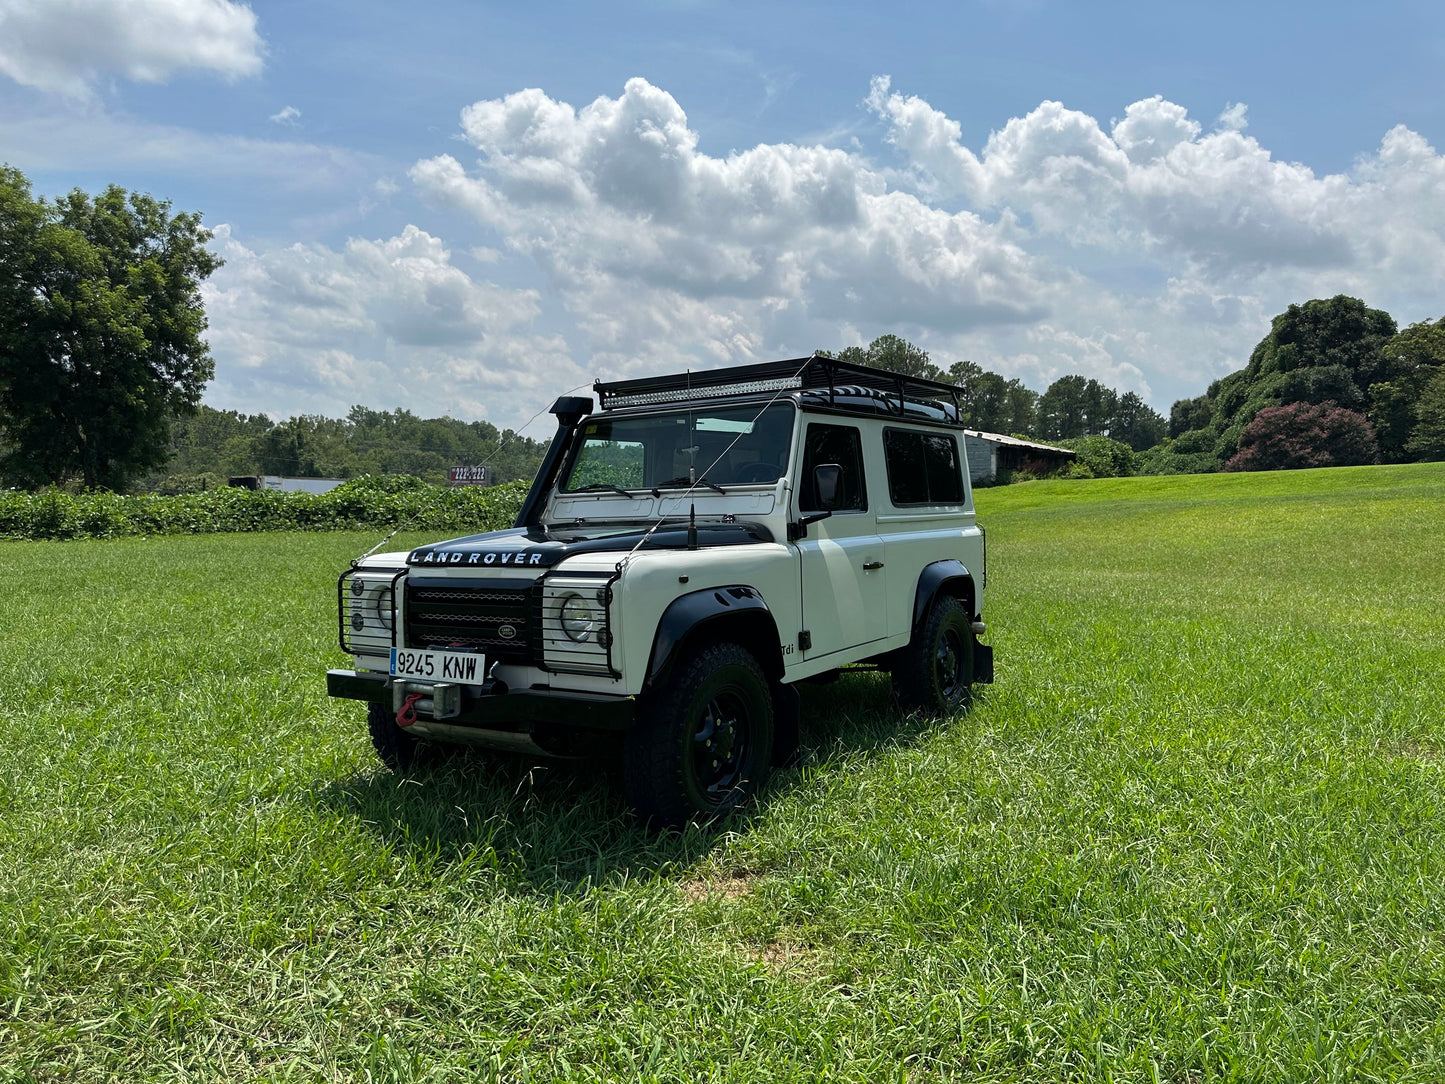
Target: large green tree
(100,332)
(891,352)
(1075,406)
(991,403)
(1329,350)
(1136,423)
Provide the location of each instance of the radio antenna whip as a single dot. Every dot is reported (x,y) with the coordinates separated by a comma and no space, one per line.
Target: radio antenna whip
(357,560)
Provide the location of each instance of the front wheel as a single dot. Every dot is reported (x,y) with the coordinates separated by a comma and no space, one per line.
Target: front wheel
(935,672)
(702,743)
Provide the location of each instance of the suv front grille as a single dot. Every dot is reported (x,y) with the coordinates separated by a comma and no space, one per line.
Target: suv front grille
(473,619)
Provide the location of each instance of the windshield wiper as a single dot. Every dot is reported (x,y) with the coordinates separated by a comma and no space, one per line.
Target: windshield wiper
(595,486)
(672,483)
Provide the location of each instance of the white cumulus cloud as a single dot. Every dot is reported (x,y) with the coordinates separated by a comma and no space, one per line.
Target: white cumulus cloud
(664,253)
(67,45)
(391,322)
(1149,251)
(1157,179)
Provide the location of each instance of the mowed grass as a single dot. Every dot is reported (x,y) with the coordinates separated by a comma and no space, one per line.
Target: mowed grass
(1194,832)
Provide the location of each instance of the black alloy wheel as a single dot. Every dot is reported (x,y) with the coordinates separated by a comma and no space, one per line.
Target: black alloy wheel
(702,742)
(720,746)
(935,673)
(948,659)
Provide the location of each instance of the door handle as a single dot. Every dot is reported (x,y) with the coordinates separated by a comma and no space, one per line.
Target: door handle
(869,566)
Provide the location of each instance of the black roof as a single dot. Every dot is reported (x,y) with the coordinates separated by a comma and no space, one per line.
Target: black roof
(838,382)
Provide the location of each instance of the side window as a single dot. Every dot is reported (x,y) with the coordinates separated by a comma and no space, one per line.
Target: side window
(940,458)
(923,468)
(840,444)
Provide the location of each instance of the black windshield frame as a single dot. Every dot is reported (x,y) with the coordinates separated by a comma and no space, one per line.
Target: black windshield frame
(679,448)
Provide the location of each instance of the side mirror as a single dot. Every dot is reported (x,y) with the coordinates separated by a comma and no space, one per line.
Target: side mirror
(826,477)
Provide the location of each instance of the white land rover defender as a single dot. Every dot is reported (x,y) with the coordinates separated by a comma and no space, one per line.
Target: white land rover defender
(683,559)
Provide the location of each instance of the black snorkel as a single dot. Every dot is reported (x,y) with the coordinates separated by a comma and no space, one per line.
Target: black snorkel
(570,410)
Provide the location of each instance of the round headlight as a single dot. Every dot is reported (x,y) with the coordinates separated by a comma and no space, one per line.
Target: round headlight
(383,607)
(579,618)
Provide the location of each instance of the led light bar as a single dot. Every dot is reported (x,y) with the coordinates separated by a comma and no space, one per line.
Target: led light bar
(745,387)
(827,375)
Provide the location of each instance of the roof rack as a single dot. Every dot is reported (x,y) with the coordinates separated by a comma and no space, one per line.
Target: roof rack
(814,373)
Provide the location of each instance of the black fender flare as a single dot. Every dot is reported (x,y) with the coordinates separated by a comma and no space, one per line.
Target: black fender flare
(948,577)
(951,577)
(696,612)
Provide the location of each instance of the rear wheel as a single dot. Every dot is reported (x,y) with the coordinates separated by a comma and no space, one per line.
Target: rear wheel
(395,746)
(935,672)
(701,743)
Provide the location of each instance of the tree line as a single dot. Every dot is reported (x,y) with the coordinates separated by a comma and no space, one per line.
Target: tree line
(210,446)
(1071,407)
(1333,383)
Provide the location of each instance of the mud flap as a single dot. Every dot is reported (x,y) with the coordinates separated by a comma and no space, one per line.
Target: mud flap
(787,714)
(982,663)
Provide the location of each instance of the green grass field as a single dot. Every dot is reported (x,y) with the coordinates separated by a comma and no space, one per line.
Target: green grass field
(1195,832)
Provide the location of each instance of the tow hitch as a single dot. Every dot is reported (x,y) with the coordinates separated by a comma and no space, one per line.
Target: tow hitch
(441,701)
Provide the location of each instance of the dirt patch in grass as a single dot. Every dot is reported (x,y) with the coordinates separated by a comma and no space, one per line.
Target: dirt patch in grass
(801,963)
(1416,750)
(731,887)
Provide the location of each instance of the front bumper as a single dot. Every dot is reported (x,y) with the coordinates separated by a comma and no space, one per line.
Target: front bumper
(495,707)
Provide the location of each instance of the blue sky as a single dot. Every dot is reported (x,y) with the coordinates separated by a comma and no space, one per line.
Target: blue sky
(469,208)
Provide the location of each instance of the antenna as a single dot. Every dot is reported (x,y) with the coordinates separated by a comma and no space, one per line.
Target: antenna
(357,560)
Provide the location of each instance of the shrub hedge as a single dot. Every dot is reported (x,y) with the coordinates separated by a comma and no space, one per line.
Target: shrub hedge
(362,503)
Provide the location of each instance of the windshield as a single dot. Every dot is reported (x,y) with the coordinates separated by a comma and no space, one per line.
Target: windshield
(710,447)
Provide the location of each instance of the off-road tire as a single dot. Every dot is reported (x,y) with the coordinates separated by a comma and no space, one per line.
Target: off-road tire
(934,674)
(395,747)
(701,743)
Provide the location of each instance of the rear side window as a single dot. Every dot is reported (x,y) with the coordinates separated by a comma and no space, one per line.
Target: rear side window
(923,468)
(840,444)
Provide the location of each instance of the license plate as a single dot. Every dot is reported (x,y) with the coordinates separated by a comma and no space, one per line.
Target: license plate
(459,666)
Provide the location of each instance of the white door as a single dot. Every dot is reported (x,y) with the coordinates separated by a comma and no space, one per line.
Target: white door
(844,585)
